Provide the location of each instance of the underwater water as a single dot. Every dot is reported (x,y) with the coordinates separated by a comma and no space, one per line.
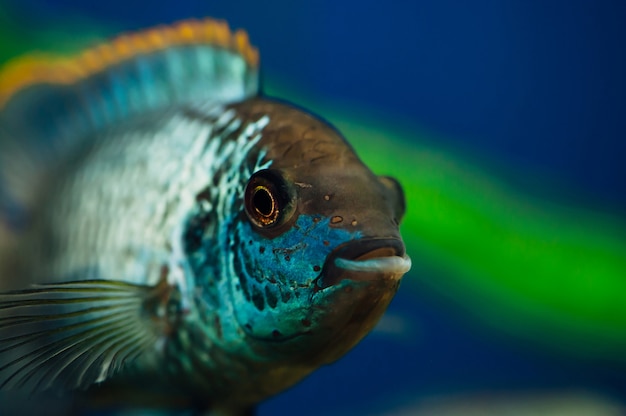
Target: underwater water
(504,123)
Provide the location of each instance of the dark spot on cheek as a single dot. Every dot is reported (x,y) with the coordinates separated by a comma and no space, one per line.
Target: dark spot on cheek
(287,258)
(326,243)
(306,322)
(248,327)
(272,300)
(285,296)
(218,326)
(244,286)
(317,268)
(257,299)
(276,333)
(194,233)
(261,249)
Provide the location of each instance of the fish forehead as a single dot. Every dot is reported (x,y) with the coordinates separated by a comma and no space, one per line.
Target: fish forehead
(295,138)
(119,209)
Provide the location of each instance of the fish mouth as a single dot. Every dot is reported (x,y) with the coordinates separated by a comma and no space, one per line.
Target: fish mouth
(366,259)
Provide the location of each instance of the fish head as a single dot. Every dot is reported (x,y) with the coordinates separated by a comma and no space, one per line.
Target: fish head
(316,250)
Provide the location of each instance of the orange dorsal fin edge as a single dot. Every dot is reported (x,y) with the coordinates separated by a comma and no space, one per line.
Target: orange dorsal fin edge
(39,68)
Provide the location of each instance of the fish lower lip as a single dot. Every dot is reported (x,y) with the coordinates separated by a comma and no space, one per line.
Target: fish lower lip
(391,265)
(366,259)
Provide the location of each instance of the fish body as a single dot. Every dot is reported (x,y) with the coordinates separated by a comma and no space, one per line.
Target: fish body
(179,240)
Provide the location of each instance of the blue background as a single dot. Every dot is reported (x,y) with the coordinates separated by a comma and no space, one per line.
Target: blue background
(536,87)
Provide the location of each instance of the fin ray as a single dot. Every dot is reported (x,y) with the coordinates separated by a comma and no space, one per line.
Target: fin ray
(34,335)
(80,350)
(71,335)
(51,352)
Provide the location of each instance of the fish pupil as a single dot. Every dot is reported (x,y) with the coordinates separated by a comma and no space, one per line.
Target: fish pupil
(264,203)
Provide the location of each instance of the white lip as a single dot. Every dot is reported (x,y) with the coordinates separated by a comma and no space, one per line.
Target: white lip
(391,265)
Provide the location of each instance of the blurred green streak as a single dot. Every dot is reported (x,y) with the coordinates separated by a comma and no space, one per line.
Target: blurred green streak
(547,273)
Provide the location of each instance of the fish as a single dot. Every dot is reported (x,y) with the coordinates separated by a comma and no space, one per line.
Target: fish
(174,238)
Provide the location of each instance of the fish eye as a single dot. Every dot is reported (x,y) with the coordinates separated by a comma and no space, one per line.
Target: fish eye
(268,199)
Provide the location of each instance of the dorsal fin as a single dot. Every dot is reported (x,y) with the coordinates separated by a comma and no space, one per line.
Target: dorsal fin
(41,68)
(49,105)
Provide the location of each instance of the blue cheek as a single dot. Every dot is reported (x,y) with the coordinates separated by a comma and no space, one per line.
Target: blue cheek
(296,256)
(274,282)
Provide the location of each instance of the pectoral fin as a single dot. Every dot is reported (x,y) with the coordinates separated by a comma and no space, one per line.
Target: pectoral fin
(69,336)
